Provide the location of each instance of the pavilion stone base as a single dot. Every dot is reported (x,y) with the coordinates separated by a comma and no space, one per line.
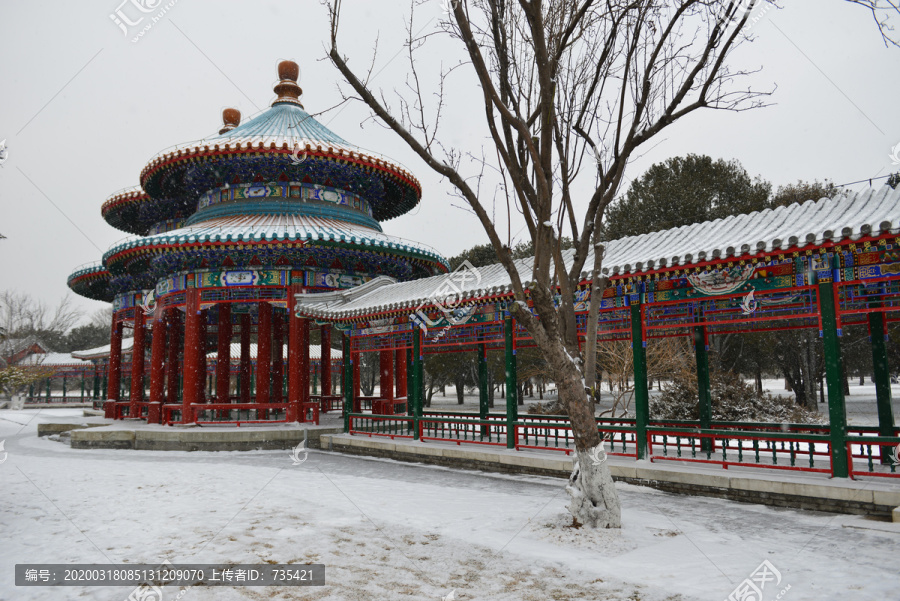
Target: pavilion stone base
(51,429)
(861,498)
(197,439)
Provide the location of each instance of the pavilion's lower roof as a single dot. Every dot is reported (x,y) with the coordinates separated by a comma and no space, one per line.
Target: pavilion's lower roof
(278,228)
(102,352)
(785,229)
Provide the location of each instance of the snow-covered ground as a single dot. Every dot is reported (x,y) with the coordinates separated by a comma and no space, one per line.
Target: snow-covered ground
(387,530)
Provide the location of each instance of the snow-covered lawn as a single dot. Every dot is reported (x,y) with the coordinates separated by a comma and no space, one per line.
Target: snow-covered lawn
(387,530)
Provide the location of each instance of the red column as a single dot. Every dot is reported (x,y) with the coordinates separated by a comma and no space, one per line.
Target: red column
(223,355)
(304,366)
(191,392)
(386,363)
(245,358)
(204,348)
(357,401)
(157,365)
(278,357)
(298,360)
(115,367)
(400,365)
(325,335)
(263,353)
(137,365)
(173,367)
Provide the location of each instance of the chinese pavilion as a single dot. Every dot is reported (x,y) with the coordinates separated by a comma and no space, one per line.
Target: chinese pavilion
(226,231)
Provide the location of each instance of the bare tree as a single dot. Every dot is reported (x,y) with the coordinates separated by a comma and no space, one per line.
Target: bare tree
(882,12)
(570,90)
(666,358)
(21,315)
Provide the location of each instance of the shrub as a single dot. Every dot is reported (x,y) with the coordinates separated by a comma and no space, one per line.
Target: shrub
(551,408)
(733,400)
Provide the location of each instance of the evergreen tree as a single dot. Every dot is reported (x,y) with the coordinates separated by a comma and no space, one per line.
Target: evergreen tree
(685,190)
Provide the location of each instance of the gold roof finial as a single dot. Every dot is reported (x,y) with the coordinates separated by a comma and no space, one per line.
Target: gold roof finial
(287,89)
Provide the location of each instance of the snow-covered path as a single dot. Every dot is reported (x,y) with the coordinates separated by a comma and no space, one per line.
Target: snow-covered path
(388,530)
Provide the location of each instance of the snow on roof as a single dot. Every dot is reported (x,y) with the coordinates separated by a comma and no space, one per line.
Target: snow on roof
(812,223)
(280,227)
(49,359)
(102,352)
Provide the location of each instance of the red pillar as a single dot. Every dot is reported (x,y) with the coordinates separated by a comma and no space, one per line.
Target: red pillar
(304,366)
(245,358)
(325,335)
(223,355)
(173,367)
(137,365)
(386,363)
(157,365)
(115,367)
(191,392)
(400,365)
(204,348)
(357,401)
(298,360)
(263,353)
(278,357)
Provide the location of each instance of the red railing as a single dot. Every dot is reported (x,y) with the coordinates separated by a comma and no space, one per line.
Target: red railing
(739,448)
(389,426)
(880,454)
(333,402)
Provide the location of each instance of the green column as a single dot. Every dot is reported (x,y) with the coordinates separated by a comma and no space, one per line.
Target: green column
(705,399)
(82,385)
(483,405)
(31,392)
(410,386)
(418,372)
(347,381)
(65,389)
(315,381)
(512,402)
(834,376)
(882,381)
(48,390)
(641,394)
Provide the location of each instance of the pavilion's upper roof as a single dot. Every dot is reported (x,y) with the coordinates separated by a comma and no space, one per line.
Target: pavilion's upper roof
(283,143)
(787,228)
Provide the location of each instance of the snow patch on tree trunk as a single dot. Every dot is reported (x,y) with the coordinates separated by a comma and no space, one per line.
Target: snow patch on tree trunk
(594,501)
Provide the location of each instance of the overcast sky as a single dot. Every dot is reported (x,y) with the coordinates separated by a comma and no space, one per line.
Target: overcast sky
(83,108)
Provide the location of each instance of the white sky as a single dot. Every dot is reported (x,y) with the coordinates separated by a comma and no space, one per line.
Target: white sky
(83,109)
